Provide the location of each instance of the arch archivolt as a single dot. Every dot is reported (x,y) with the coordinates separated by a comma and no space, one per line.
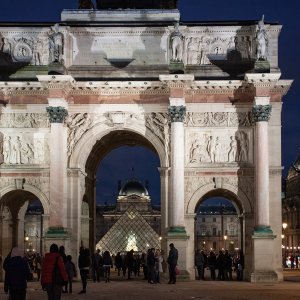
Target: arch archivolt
(153,127)
(31,189)
(197,188)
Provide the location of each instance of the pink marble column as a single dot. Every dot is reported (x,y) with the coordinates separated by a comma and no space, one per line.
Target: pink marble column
(261,116)
(58,163)
(177,114)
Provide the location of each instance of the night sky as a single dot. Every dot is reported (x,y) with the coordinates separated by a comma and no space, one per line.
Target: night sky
(118,164)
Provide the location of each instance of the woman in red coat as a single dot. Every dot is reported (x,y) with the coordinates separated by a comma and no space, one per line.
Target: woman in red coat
(53,289)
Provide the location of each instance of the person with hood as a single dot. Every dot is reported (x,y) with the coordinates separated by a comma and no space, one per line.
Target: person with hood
(53,288)
(16,273)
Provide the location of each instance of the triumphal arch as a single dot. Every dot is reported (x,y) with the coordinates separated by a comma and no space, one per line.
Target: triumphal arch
(206,97)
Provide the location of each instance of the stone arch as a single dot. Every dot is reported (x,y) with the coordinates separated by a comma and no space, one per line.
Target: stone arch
(85,145)
(31,189)
(238,197)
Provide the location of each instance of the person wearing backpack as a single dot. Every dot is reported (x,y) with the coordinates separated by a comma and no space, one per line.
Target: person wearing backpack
(52,261)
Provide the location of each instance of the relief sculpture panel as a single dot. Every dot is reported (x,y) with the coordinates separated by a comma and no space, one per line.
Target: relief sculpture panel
(219,147)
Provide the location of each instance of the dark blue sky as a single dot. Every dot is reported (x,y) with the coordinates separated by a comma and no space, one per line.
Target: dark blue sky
(285,12)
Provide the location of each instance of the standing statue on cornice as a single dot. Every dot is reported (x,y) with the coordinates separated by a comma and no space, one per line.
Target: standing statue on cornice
(85,4)
(56,45)
(176,42)
(261,41)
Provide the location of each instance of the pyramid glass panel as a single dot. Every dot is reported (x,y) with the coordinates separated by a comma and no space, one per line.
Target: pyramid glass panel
(131,231)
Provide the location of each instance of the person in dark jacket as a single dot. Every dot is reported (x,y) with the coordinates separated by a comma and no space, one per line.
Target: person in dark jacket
(118,262)
(16,274)
(200,263)
(240,265)
(107,264)
(53,289)
(151,265)
(71,271)
(84,263)
(172,262)
(212,262)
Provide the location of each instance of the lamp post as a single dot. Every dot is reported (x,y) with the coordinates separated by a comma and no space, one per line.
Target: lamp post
(284,226)
(225,239)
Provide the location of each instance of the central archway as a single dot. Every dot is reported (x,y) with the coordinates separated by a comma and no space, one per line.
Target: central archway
(102,147)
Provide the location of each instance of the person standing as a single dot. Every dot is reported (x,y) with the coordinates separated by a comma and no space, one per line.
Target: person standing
(96,265)
(16,273)
(172,262)
(53,257)
(84,262)
(240,265)
(212,261)
(118,262)
(71,270)
(200,263)
(107,264)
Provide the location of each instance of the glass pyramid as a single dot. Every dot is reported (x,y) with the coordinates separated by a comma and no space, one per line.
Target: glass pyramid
(131,231)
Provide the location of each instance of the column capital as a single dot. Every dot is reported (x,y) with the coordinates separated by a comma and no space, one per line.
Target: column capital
(57,114)
(261,113)
(177,113)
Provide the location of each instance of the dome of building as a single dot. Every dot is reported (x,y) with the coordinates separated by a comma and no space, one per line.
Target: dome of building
(133,187)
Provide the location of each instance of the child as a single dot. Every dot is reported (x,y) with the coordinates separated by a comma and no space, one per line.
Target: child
(71,270)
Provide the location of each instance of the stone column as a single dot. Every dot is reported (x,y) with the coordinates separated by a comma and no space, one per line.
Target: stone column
(58,87)
(265,251)
(261,115)
(177,234)
(177,114)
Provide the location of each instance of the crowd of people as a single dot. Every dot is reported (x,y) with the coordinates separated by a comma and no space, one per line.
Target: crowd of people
(56,270)
(224,263)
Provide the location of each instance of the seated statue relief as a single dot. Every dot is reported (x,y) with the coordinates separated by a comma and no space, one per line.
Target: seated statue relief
(85,4)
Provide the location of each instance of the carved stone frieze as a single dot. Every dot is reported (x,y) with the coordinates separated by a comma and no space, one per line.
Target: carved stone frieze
(218,147)
(1,148)
(218,119)
(24,149)
(27,120)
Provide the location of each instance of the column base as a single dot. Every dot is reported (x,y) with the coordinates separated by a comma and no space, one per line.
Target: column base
(176,67)
(57,232)
(177,231)
(263,230)
(264,276)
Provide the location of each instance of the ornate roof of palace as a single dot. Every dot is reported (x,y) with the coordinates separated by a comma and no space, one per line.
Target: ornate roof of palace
(133,187)
(131,43)
(294,171)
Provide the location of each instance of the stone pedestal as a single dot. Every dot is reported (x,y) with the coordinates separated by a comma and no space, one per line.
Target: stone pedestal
(263,247)
(262,66)
(176,67)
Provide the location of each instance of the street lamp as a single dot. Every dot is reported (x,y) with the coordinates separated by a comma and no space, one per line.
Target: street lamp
(284,226)
(225,239)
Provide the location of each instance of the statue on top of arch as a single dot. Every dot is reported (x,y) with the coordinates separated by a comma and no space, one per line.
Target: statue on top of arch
(85,4)
(136,4)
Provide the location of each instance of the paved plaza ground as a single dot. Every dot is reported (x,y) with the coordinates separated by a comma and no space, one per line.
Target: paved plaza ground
(205,290)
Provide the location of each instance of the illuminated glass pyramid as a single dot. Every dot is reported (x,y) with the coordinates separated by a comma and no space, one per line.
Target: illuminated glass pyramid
(131,231)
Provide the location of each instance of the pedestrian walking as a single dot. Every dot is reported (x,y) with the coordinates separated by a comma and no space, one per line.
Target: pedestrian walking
(51,261)
(71,271)
(17,272)
(200,263)
(107,264)
(84,263)
(96,265)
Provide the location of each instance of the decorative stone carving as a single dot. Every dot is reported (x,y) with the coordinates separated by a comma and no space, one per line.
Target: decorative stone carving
(6,181)
(17,150)
(213,148)
(261,113)
(262,41)
(177,113)
(56,45)
(192,184)
(219,119)
(28,120)
(158,123)
(1,148)
(41,183)
(56,114)
(78,124)
(193,50)
(176,43)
